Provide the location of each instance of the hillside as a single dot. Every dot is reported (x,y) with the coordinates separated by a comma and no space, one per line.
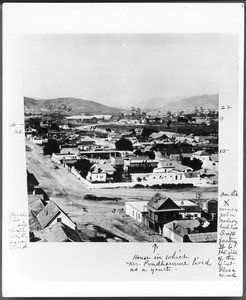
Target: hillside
(156,102)
(68,105)
(179,103)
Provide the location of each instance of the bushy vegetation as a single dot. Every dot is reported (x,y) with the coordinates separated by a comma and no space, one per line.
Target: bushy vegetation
(96,198)
(166,186)
(51,147)
(195,164)
(83,166)
(124,145)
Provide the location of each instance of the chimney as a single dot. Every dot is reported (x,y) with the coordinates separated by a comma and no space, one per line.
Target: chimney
(174,226)
(188,230)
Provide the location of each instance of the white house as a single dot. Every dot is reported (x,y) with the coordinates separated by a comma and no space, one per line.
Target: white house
(100,172)
(39,141)
(136,210)
(51,214)
(164,166)
(202,155)
(190,209)
(59,157)
(176,230)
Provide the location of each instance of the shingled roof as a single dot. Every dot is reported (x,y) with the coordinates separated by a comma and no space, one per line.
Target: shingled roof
(58,232)
(160,202)
(48,213)
(205,237)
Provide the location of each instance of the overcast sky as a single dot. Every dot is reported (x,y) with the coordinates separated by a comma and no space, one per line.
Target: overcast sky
(120,70)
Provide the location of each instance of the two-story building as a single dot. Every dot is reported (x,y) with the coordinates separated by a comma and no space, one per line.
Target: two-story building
(161,210)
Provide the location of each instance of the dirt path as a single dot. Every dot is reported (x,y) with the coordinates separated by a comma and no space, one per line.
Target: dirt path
(68,192)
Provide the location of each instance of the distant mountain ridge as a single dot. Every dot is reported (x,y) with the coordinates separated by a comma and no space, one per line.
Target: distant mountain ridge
(180,103)
(69,105)
(157,102)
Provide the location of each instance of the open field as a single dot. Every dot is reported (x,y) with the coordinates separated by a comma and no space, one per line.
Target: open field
(106,215)
(175,127)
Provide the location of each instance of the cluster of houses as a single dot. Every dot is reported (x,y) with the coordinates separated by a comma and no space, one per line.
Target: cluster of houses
(155,161)
(176,220)
(162,157)
(47,221)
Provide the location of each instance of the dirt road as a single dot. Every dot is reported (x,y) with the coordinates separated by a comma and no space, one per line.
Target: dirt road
(93,217)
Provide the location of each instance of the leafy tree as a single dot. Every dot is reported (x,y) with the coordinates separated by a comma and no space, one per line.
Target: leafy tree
(147,131)
(51,147)
(133,110)
(138,152)
(169,113)
(201,110)
(182,120)
(42,130)
(83,166)
(195,164)
(34,123)
(196,110)
(124,144)
(117,176)
(169,122)
(138,111)
(54,127)
(151,154)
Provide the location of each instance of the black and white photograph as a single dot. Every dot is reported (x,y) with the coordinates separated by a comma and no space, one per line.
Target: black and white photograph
(123,149)
(122,137)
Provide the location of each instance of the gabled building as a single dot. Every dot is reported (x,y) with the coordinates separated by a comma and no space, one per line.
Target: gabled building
(51,214)
(202,237)
(35,205)
(161,210)
(190,209)
(176,230)
(137,210)
(58,232)
(142,164)
(159,136)
(164,166)
(202,155)
(101,173)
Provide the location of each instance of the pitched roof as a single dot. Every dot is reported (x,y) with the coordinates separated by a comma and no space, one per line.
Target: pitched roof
(139,158)
(204,237)
(166,164)
(102,168)
(58,232)
(191,174)
(201,153)
(48,213)
(215,157)
(33,222)
(158,135)
(34,198)
(182,203)
(161,202)
(181,227)
(138,205)
(35,206)
(182,168)
(86,139)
